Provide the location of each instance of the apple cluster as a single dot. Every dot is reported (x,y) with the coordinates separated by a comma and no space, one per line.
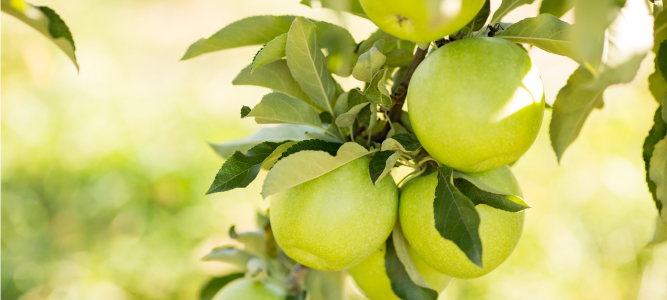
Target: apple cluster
(476,105)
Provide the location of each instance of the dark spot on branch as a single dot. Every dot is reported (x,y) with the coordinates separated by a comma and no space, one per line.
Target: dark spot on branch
(494,29)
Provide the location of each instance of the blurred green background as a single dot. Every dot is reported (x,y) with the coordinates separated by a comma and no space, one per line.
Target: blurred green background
(104,171)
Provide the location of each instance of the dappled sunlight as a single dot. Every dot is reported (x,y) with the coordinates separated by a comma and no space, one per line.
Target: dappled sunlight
(529,92)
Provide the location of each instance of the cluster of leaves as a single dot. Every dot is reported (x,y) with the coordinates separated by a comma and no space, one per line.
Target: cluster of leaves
(46,21)
(655,146)
(259,258)
(322,127)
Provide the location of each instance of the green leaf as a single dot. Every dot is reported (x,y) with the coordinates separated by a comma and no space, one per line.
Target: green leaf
(480,19)
(657,80)
(325,136)
(231,255)
(659,31)
(339,90)
(381,164)
(257,269)
(240,170)
(573,104)
(46,21)
(403,142)
(337,40)
(658,174)
(628,41)
(506,7)
(401,284)
(275,76)
(340,47)
(256,30)
(403,253)
(260,30)
(399,54)
(341,104)
(276,108)
(653,154)
(272,51)
(656,134)
(313,145)
(399,58)
(347,119)
(325,117)
(545,32)
(368,114)
(394,44)
(307,165)
(253,241)
(408,141)
(245,111)
(660,234)
(368,64)
(276,155)
(350,6)
(480,193)
(592,17)
(373,38)
(307,64)
(379,44)
(556,7)
(268,134)
(356,97)
(397,129)
(334,132)
(661,59)
(333,37)
(377,92)
(215,284)
(455,216)
(657,83)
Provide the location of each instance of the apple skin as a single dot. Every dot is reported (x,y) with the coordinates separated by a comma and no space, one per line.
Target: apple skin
(248,289)
(476,104)
(371,276)
(336,220)
(416,21)
(499,230)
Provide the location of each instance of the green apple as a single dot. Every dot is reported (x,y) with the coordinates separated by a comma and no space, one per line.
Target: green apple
(336,220)
(499,230)
(476,104)
(248,289)
(371,276)
(421,21)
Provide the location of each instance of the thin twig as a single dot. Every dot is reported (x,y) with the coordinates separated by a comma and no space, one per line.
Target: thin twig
(398,97)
